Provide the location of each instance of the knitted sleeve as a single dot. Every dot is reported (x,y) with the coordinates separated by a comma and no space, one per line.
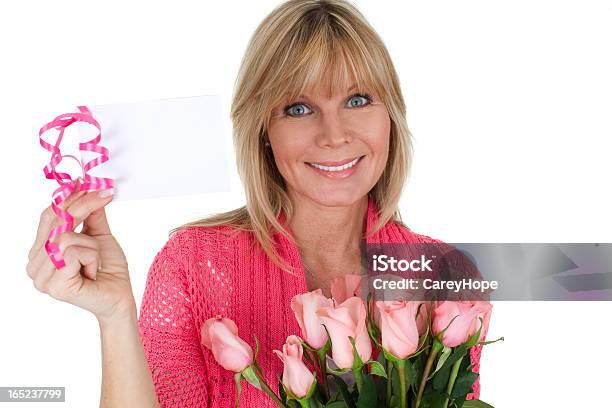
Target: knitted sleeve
(168,331)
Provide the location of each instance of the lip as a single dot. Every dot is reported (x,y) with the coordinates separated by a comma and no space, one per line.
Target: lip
(338,174)
(336,163)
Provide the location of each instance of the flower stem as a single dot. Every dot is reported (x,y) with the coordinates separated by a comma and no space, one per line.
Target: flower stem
(322,354)
(401,370)
(389,383)
(266,388)
(451,380)
(436,347)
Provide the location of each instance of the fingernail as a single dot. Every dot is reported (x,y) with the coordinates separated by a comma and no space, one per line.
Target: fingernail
(105,193)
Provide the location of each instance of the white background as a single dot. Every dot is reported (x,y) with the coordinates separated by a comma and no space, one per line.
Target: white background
(509,103)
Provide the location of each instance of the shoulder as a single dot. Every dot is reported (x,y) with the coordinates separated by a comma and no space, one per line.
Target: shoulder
(216,244)
(463,265)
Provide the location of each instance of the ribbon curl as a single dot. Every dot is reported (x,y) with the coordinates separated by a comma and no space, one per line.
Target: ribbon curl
(67,184)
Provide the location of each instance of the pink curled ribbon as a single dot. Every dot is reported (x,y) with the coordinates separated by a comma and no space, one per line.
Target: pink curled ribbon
(67,185)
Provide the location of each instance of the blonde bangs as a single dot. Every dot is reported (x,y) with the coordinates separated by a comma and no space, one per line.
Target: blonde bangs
(317,58)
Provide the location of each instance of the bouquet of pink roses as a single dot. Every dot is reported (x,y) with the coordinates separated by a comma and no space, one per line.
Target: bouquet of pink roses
(365,354)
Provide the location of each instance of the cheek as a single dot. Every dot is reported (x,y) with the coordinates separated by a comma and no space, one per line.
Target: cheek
(288,152)
(377,130)
(289,145)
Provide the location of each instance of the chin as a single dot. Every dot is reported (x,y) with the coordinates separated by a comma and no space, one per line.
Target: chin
(337,198)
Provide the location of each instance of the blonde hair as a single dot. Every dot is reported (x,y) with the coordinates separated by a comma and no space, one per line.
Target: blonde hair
(296,45)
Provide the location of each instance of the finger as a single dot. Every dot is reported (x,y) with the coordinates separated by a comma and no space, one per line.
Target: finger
(41,274)
(41,268)
(86,205)
(96,223)
(48,220)
(77,257)
(80,208)
(65,283)
(37,263)
(68,238)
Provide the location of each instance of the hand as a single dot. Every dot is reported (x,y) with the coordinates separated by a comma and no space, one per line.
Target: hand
(95,276)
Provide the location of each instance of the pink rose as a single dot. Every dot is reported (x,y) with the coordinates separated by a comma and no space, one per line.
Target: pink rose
(398,326)
(305,308)
(345,287)
(347,319)
(296,376)
(220,335)
(293,347)
(421,318)
(465,325)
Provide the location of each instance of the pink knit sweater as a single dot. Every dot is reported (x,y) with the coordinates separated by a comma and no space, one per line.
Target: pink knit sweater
(202,272)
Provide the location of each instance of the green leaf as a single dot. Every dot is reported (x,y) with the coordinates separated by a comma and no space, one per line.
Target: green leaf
(250,375)
(458,402)
(337,372)
(433,398)
(473,339)
(491,341)
(446,352)
(377,369)
(418,366)
(389,356)
(411,374)
(440,379)
(368,397)
(463,384)
(458,352)
(346,395)
(336,404)
(357,362)
(381,390)
(476,404)
(395,382)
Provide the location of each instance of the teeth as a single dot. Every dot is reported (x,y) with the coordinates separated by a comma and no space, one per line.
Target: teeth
(335,168)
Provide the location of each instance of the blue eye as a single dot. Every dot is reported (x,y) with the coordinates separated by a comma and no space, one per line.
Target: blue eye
(298,109)
(364,97)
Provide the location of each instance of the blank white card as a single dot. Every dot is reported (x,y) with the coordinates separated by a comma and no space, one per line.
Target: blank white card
(161,148)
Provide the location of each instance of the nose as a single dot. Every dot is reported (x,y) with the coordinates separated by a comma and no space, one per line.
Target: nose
(334,131)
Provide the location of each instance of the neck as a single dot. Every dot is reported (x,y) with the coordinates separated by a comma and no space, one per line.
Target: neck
(320,229)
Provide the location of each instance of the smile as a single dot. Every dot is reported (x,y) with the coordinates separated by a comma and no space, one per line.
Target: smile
(336,169)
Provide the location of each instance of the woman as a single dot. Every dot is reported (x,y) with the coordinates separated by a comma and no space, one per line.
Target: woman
(323,150)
